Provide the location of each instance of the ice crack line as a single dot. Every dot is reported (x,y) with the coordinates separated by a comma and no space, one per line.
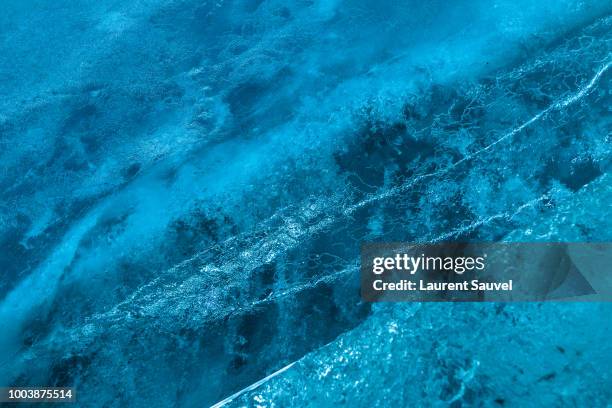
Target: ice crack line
(584,90)
(252,386)
(581,93)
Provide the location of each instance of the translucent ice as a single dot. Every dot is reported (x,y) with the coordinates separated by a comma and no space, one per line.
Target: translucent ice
(185,187)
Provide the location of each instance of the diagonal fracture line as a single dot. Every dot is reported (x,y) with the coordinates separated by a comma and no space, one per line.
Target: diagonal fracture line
(252,386)
(558,105)
(488,220)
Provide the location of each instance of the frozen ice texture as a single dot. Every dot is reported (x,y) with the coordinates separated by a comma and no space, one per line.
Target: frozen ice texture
(442,355)
(185,186)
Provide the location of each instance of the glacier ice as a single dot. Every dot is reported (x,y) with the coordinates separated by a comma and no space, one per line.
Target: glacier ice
(185,186)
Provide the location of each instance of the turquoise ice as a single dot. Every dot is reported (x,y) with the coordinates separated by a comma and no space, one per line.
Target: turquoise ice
(185,186)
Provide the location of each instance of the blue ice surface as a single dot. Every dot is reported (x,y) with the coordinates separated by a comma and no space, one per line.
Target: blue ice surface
(185,185)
